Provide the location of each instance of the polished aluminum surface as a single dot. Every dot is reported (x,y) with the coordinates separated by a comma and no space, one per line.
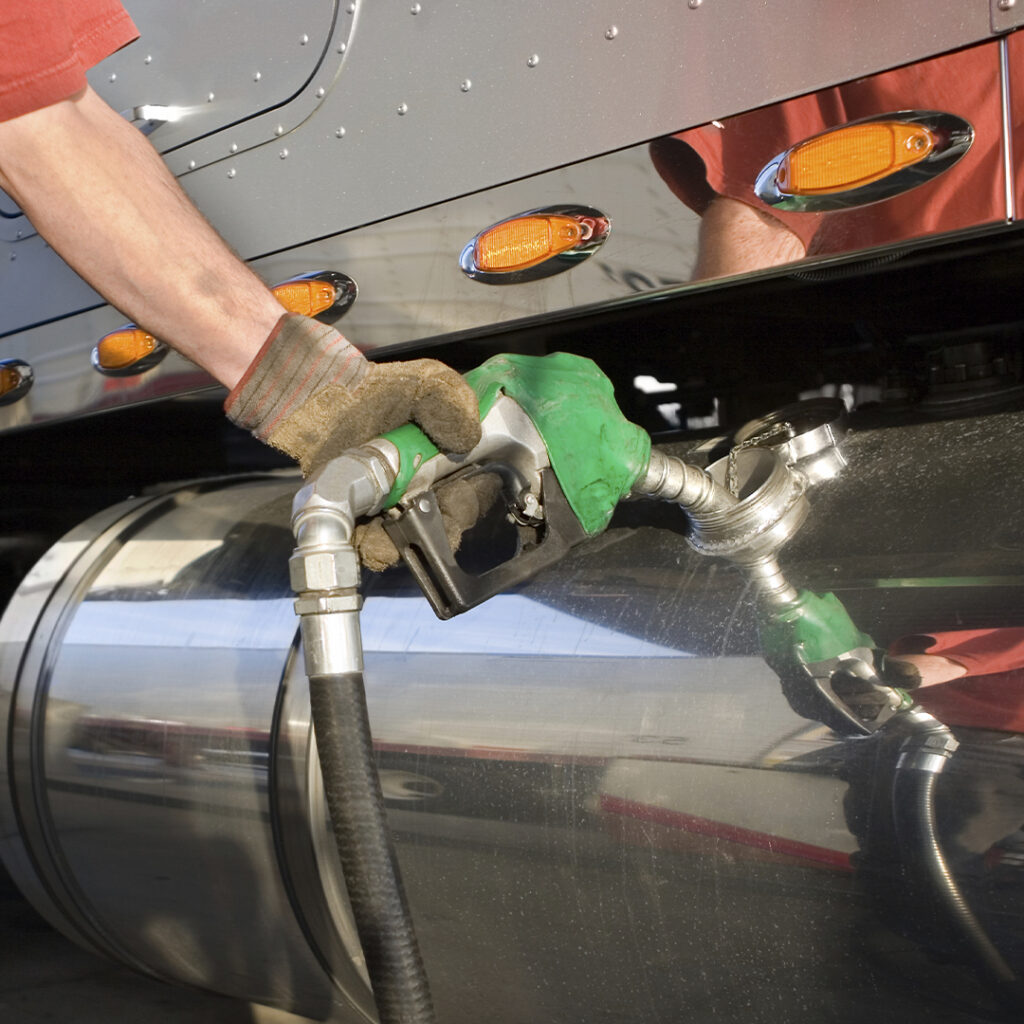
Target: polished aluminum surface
(349,196)
(604,806)
(186,777)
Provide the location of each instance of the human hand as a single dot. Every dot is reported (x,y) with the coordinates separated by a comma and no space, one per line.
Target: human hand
(313,395)
(913,670)
(462,502)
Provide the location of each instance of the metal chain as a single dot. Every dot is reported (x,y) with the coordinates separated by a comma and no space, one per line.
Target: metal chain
(769,435)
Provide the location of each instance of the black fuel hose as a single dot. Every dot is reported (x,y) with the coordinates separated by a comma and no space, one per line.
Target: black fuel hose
(914,812)
(359,822)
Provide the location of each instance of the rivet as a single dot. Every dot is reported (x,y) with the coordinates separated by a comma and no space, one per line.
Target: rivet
(339,132)
(232,172)
(342,47)
(352,8)
(279,130)
(694,4)
(533,60)
(403,108)
(304,39)
(1006,5)
(14,256)
(112,78)
(234,147)
(210,98)
(416,8)
(467,84)
(148,59)
(256,77)
(283,154)
(192,165)
(321,93)
(611,31)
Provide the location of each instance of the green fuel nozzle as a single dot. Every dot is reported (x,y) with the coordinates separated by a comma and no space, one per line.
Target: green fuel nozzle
(594,451)
(566,454)
(827,666)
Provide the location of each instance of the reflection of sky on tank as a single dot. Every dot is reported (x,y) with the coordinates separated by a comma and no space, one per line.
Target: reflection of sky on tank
(725,710)
(512,673)
(221,622)
(216,663)
(507,624)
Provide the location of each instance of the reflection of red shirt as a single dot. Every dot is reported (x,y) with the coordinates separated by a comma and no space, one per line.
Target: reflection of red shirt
(965,83)
(48,45)
(991,695)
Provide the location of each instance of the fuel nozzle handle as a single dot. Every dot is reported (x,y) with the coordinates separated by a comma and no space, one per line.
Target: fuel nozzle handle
(566,455)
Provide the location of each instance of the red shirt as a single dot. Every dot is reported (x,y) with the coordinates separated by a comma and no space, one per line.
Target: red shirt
(991,695)
(46,47)
(734,151)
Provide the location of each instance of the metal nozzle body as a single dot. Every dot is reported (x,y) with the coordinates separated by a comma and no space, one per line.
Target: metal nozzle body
(747,527)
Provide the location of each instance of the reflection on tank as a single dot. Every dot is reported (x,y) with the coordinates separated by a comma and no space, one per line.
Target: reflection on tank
(598,770)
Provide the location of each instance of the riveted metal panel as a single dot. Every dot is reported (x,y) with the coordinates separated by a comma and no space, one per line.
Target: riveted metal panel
(211,65)
(459,97)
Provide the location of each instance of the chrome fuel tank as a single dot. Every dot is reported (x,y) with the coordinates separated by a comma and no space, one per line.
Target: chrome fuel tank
(605,808)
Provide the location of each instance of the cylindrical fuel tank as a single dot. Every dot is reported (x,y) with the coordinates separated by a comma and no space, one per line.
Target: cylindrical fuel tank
(604,806)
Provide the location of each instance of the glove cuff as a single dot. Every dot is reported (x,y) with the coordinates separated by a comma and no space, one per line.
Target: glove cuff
(300,357)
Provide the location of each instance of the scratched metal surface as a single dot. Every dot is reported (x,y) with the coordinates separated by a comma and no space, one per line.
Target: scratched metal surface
(605,808)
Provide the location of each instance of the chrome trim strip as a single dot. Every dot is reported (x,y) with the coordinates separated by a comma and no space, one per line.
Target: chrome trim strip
(1004,98)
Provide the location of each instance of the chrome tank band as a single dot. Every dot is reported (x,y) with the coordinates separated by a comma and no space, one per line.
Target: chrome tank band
(598,791)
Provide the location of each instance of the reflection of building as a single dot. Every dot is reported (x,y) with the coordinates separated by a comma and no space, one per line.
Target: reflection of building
(141,748)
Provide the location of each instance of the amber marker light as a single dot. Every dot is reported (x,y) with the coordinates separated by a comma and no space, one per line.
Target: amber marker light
(124,348)
(325,294)
(308,297)
(127,351)
(10,378)
(851,157)
(526,241)
(15,380)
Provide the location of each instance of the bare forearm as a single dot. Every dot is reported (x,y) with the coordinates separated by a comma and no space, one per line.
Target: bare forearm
(736,238)
(98,192)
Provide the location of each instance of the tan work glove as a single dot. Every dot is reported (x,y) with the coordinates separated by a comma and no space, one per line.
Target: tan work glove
(312,394)
(461,503)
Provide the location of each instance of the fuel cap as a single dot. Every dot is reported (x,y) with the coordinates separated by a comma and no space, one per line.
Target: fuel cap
(807,435)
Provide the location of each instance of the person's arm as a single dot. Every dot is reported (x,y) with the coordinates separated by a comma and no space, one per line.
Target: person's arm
(736,238)
(98,192)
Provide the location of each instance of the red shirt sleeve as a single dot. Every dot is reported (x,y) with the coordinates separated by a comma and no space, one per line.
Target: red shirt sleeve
(991,695)
(980,651)
(46,47)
